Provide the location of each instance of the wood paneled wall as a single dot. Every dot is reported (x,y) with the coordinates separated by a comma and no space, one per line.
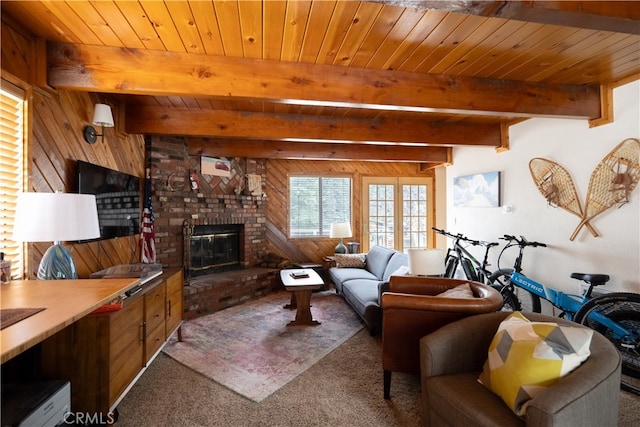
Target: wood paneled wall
(277,190)
(55,143)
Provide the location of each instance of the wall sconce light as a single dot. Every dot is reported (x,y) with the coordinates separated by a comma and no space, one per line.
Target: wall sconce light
(101,117)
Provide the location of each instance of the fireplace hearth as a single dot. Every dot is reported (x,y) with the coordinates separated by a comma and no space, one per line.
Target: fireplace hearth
(213,248)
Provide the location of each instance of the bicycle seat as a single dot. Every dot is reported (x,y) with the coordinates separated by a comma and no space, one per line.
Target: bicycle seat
(489,244)
(593,279)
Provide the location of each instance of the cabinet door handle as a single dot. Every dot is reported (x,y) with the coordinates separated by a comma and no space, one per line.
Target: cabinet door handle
(143,331)
(169,307)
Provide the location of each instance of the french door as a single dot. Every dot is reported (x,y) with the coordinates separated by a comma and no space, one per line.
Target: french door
(398,213)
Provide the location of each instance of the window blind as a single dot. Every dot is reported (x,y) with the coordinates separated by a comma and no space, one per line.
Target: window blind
(315,202)
(11,169)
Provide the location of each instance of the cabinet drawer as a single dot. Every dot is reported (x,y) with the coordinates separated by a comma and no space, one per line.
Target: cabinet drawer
(155,308)
(154,341)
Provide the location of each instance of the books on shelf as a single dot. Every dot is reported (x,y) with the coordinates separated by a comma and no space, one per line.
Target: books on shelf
(299,275)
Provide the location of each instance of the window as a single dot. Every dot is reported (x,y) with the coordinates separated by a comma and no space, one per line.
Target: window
(398,213)
(12,123)
(315,202)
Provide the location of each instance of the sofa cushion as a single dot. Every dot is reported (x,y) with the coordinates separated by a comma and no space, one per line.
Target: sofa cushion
(527,357)
(460,291)
(349,260)
(341,275)
(396,261)
(363,296)
(377,260)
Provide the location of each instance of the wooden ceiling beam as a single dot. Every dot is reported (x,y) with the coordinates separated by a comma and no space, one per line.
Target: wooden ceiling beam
(232,124)
(614,16)
(133,71)
(318,151)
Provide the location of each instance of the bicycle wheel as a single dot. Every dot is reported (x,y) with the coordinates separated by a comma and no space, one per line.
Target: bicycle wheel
(528,302)
(624,308)
(510,301)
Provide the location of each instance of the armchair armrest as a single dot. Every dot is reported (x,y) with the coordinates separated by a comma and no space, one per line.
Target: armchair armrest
(422,285)
(575,397)
(382,288)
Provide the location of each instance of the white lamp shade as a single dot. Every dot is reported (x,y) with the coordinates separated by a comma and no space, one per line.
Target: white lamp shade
(426,262)
(55,217)
(102,116)
(340,229)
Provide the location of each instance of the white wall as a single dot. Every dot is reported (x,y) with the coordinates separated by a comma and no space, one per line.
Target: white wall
(572,144)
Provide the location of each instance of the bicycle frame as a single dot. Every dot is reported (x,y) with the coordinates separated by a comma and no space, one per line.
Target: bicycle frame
(568,303)
(479,267)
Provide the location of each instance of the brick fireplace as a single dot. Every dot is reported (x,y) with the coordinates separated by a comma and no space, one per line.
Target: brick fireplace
(219,201)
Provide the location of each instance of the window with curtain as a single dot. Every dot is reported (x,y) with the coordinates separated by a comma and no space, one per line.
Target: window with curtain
(12,122)
(315,202)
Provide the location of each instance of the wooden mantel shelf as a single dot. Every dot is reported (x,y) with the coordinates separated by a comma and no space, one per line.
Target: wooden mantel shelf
(64,302)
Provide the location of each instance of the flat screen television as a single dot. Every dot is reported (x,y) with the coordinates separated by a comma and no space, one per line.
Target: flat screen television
(117,198)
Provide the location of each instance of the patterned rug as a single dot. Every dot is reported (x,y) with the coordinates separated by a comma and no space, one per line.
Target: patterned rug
(249,349)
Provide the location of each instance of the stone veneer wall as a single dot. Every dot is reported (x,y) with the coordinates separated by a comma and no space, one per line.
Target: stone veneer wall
(219,200)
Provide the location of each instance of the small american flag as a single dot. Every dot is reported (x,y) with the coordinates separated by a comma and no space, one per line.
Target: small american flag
(148,234)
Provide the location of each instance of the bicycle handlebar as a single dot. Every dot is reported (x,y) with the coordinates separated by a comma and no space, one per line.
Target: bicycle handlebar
(522,242)
(465,239)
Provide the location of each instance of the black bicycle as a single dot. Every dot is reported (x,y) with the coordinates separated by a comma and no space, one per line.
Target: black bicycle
(515,299)
(458,255)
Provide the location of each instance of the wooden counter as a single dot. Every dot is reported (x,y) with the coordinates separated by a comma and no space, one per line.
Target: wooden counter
(65,301)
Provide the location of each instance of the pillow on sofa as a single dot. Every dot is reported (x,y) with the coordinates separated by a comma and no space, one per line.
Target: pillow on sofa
(349,260)
(526,357)
(403,270)
(460,291)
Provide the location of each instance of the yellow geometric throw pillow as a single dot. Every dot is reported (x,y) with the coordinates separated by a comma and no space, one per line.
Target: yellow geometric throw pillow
(526,357)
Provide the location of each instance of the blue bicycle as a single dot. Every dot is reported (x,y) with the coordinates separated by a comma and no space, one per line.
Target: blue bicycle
(615,315)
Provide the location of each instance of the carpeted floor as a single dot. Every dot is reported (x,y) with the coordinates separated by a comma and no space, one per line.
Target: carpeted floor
(250,349)
(343,389)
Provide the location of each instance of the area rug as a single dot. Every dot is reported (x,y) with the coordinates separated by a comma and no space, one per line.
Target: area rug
(250,349)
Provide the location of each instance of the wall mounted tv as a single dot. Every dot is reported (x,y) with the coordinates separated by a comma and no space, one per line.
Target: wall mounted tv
(117,197)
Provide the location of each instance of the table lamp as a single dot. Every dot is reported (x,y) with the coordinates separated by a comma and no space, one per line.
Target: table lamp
(340,230)
(426,262)
(56,217)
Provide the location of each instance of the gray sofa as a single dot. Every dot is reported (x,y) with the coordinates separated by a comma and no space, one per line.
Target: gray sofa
(362,287)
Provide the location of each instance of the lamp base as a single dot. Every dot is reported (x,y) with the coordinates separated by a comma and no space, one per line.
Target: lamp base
(57,264)
(341,248)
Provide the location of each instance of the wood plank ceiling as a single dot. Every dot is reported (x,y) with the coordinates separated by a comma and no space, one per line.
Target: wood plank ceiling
(365,80)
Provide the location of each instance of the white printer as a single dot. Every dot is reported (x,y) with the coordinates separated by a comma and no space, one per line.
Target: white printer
(35,404)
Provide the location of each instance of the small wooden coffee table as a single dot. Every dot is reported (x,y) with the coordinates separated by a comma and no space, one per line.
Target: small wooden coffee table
(301,289)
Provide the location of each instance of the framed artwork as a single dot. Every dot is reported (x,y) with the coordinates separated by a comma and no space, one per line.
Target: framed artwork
(215,166)
(479,190)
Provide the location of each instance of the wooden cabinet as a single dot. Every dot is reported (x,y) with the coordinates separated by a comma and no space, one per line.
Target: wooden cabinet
(175,300)
(104,354)
(154,320)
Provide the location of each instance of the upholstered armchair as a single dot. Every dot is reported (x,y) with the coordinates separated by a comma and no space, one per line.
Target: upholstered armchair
(412,309)
(453,357)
